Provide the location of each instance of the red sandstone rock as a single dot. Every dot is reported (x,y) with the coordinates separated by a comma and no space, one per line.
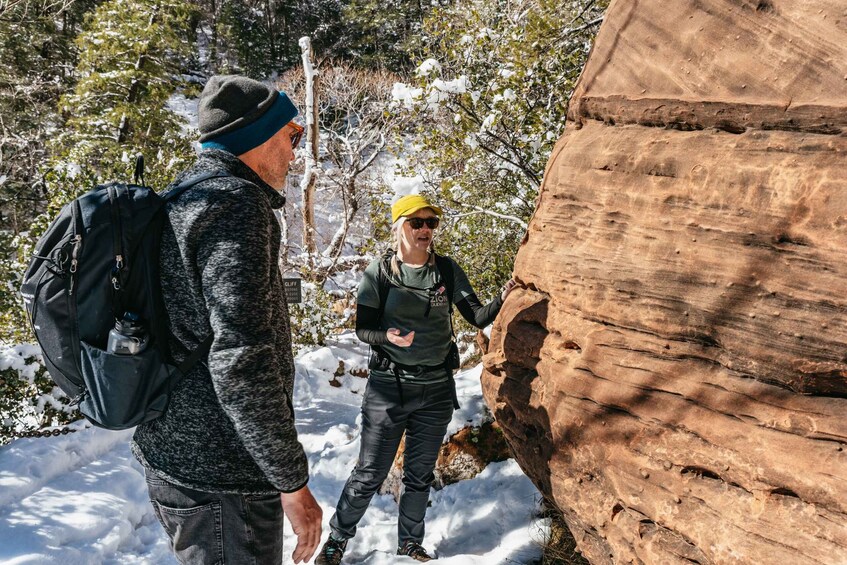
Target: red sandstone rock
(464,455)
(673,372)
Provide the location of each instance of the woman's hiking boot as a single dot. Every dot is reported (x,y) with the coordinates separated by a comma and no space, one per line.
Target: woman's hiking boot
(332,552)
(414,550)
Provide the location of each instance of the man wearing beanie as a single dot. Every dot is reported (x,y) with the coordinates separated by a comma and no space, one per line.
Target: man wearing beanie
(224,462)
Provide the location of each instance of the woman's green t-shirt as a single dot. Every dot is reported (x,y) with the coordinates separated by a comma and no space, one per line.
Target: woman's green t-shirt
(406,310)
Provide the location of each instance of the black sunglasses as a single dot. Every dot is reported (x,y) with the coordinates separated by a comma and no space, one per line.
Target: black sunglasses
(418,223)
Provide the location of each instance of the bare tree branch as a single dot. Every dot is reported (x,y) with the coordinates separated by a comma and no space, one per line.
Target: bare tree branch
(25,11)
(355,125)
(479,211)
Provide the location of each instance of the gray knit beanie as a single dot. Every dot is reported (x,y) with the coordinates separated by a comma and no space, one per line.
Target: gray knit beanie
(238,113)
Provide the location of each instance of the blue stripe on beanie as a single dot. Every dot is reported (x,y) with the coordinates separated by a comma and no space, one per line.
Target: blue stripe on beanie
(256,133)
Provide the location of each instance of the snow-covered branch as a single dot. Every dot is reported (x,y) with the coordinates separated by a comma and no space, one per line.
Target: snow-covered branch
(477,211)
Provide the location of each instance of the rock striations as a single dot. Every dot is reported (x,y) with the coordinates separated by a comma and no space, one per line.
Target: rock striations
(672,373)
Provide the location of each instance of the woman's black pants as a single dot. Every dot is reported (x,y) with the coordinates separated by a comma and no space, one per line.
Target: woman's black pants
(427,410)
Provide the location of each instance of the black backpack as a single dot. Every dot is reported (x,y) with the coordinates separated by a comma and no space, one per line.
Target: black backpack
(98,260)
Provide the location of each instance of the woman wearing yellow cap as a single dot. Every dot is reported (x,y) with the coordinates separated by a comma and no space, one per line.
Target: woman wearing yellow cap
(404,312)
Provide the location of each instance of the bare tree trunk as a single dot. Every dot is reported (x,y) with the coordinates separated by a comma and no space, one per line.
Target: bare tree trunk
(271,31)
(134,87)
(307,185)
(351,206)
(213,41)
(286,245)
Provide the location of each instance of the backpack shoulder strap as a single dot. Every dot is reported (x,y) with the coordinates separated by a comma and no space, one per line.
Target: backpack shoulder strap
(174,192)
(445,269)
(382,280)
(193,358)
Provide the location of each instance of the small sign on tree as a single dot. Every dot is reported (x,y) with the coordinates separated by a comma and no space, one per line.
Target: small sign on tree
(293,291)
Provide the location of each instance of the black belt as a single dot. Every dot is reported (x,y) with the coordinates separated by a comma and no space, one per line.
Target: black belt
(382,362)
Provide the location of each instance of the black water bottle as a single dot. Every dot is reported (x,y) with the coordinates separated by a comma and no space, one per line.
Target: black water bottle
(129,336)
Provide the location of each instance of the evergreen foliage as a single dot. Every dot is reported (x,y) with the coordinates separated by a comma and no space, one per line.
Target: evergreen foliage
(37,58)
(489,103)
(258,38)
(118,107)
(321,20)
(246,34)
(384,33)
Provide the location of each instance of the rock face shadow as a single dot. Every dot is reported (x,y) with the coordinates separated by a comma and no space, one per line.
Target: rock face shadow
(515,375)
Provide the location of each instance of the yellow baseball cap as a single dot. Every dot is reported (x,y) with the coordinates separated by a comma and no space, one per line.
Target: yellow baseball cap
(410,204)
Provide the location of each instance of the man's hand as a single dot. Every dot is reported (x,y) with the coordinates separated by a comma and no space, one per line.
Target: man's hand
(305,516)
(393,335)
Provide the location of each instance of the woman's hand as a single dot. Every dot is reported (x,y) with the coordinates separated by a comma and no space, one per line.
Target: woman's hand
(393,335)
(507,288)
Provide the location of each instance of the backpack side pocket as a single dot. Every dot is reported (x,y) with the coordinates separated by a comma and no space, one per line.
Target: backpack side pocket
(122,391)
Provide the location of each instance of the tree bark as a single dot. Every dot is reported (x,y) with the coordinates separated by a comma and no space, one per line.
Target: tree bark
(213,41)
(307,185)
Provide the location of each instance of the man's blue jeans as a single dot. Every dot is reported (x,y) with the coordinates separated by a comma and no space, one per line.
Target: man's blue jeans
(206,528)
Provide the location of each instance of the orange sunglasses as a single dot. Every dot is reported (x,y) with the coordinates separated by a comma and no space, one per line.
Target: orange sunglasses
(296,135)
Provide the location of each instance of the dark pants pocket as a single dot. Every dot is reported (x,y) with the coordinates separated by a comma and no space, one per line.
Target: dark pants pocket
(207,527)
(196,533)
(192,519)
(264,520)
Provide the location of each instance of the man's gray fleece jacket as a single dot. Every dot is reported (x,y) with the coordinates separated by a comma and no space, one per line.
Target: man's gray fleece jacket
(230,423)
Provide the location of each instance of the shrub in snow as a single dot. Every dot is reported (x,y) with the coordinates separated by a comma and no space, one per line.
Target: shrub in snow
(320,315)
(14,326)
(28,398)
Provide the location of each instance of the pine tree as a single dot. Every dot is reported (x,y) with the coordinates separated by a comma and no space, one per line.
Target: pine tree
(130,57)
(259,38)
(132,53)
(244,45)
(37,59)
(385,33)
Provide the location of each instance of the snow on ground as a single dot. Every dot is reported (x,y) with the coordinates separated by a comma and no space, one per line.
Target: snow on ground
(80,499)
